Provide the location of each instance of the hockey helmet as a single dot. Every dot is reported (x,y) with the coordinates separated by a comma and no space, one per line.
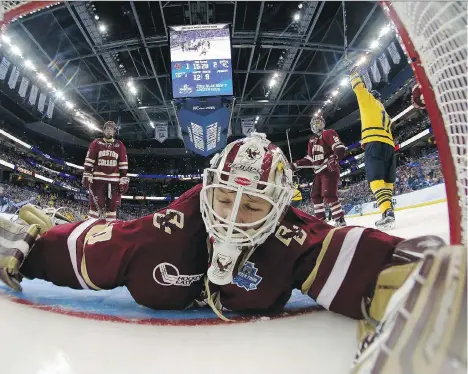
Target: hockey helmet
(109,129)
(317,124)
(248,170)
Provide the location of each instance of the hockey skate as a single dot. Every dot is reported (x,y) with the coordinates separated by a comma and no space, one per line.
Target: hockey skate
(340,222)
(15,243)
(424,326)
(387,221)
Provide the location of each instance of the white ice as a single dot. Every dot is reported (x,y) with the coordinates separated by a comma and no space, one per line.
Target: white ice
(42,342)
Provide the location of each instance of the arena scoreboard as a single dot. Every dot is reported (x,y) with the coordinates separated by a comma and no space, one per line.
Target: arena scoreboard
(200,60)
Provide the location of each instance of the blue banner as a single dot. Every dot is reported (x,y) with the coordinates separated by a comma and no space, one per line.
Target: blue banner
(204,125)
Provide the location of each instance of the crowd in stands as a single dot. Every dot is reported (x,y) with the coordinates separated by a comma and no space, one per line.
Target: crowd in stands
(402,133)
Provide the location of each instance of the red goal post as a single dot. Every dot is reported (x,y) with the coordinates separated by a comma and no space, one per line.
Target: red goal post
(12,10)
(434,36)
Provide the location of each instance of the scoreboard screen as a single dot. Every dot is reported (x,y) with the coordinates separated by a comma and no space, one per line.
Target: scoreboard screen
(200,60)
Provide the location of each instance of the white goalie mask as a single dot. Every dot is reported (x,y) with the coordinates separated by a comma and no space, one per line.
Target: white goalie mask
(317,124)
(250,168)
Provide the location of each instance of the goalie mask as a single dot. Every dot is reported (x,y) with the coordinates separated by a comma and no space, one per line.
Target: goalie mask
(245,194)
(109,129)
(317,124)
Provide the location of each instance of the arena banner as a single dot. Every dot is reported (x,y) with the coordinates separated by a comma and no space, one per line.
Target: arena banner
(13,78)
(248,126)
(23,86)
(4,65)
(204,124)
(161,131)
(24,171)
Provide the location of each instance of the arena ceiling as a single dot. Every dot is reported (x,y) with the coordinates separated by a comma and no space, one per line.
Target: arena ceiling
(92,66)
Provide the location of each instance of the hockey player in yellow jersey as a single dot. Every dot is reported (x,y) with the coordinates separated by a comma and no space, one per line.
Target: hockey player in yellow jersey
(377,141)
(297,197)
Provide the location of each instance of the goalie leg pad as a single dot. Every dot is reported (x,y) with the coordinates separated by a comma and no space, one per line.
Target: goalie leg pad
(15,243)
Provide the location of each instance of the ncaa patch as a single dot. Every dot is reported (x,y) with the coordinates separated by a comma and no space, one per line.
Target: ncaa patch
(247,278)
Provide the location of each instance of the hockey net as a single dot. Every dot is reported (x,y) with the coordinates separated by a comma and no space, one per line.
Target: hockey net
(12,10)
(434,35)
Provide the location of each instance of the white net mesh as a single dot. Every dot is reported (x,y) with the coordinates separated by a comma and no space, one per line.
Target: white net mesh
(438,31)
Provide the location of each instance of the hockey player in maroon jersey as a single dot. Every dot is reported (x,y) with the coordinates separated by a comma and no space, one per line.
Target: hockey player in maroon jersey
(232,243)
(324,152)
(105,174)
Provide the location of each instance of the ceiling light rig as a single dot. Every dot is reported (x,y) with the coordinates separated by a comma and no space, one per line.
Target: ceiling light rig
(361,60)
(102,28)
(40,76)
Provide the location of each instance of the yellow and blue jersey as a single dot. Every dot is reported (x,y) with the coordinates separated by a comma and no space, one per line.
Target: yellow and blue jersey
(297,194)
(375,122)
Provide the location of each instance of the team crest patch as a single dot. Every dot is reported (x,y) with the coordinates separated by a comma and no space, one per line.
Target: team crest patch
(247,278)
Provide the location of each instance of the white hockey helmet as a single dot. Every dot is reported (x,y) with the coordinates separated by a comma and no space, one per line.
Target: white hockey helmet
(252,166)
(317,124)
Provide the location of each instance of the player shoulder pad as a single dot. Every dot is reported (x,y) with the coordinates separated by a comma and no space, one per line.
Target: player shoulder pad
(191,196)
(298,229)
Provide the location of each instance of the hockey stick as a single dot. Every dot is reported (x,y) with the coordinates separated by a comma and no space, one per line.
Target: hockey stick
(101,214)
(290,157)
(289,145)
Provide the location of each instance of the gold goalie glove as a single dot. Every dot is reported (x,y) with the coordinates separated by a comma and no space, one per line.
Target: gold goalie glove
(46,219)
(416,320)
(15,243)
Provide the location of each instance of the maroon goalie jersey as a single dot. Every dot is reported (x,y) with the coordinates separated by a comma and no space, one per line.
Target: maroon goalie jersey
(107,161)
(320,148)
(163,260)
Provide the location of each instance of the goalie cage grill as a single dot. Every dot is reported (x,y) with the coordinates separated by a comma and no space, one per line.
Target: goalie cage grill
(434,35)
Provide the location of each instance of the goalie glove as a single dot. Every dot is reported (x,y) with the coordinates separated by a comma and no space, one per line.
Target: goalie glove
(87,180)
(16,243)
(44,218)
(332,163)
(423,310)
(294,166)
(123,184)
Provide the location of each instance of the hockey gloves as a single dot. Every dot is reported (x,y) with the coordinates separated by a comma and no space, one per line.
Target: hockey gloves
(87,180)
(123,184)
(332,163)
(17,240)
